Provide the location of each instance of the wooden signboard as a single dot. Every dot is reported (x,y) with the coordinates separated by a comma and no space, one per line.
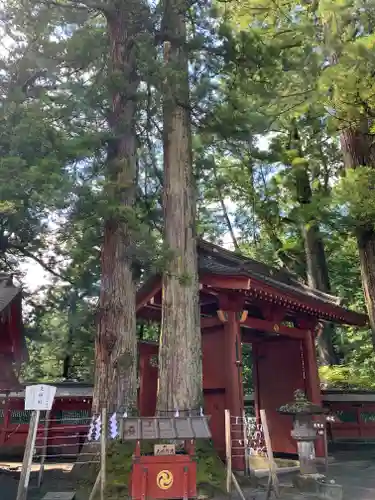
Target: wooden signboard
(164,449)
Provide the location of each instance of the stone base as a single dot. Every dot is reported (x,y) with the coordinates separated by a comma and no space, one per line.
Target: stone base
(307,483)
(329,490)
(322,460)
(319,485)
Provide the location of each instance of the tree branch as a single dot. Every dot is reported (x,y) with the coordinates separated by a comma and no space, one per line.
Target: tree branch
(224,208)
(87,5)
(30,255)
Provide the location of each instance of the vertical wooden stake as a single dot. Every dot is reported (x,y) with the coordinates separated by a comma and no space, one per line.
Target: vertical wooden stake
(325,448)
(247,465)
(228,449)
(121,428)
(273,482)
(95,487)
(23,484)
(44,448)
(103,453)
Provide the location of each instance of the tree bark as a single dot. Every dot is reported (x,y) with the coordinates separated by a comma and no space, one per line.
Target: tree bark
(180,360)
(357,150)
(72,311)
(366,249)
(318,277)
(316,262)
(116,342)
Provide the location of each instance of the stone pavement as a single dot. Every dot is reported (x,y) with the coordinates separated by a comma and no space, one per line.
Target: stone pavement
(354,469)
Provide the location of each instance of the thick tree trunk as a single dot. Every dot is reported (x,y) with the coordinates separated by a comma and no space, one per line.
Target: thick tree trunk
(318,277)
(180,361)
(357,150)
(316,262)
(366,248)
(116,342)
(67,362)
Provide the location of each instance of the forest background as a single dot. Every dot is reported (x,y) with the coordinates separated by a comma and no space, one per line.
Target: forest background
(282,110)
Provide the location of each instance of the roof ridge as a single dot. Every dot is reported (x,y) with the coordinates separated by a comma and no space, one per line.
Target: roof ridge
(244,262)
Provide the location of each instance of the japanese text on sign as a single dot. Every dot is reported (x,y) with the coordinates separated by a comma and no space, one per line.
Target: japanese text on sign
(39,397)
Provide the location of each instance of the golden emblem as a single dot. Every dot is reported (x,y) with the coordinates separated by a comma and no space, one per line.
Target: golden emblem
(276,328)
(164,479)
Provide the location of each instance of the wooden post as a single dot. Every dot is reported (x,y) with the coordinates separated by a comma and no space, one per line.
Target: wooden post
(103,454)
(44,448)
(230,312)
(244,428)
(23,484)
(5,420)
(228,449)
(95,487)
(325,448)
(273,482)
(238,488)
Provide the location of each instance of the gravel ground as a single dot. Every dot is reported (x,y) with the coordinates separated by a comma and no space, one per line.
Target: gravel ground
(354,469)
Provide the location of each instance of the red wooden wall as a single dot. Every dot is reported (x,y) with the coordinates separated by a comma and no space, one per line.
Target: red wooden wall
(214,381)
(279,372)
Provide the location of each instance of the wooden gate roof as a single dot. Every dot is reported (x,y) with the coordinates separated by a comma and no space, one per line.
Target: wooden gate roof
(221,269)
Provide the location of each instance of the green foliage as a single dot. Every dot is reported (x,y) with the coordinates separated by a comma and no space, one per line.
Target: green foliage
(247,368)
(119,462)
(355,193)
(351,376)
(210,469)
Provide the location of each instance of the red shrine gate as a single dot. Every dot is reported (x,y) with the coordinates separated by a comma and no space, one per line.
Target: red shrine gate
(244,301)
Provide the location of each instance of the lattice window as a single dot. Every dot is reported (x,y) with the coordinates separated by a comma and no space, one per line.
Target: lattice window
(368,417)
(20,416)
(23,417)
(73,417)
(347,416)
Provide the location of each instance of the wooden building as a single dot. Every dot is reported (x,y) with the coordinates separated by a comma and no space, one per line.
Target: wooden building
(244,301)
(12,341)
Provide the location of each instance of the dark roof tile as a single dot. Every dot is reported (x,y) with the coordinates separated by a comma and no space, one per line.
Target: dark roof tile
(7,291)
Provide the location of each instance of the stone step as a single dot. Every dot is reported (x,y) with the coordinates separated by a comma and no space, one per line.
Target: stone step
(60,495)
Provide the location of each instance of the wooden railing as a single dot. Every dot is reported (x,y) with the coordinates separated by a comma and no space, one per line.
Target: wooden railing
(355,412)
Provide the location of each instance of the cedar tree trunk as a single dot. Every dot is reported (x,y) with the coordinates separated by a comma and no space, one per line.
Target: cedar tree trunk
(316,262)
(318,277)
(180,360)
(357,152)
(116,343)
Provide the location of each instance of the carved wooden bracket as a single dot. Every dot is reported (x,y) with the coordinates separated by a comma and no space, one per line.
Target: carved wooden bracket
(243,316)
(222,315)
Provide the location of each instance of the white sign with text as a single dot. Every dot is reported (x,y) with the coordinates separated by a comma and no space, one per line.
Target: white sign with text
(164,449)
(39,397)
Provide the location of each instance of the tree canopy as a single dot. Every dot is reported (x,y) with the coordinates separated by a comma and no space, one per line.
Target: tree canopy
(280,110)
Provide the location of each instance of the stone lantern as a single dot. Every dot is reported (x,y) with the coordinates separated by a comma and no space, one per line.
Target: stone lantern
(303,430)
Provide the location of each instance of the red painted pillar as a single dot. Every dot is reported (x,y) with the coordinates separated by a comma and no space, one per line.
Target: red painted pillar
(148,379)
(234,390)
(6,420)
(312,380)
(234,387)
(255,356)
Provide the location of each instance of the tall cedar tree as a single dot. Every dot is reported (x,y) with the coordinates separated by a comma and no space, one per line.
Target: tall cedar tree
(329,61)
(180,363)
(316,261)
(116,343)
(358,151)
